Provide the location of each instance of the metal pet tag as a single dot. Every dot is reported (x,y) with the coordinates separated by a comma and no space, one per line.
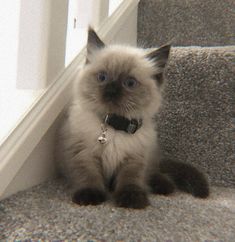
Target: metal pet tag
(102,138)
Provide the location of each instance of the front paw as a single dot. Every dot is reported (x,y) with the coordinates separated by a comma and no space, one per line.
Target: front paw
(131,196)
(89,196)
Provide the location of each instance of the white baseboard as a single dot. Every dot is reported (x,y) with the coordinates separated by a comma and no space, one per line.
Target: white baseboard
(26,157)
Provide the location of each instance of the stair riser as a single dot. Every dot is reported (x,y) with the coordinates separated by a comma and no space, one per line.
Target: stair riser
(196,124)
(189,22)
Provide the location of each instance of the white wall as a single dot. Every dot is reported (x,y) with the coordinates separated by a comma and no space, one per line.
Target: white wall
(9,30)
(42,42)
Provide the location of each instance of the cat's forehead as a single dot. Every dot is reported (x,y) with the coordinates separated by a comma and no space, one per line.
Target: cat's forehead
(119,59)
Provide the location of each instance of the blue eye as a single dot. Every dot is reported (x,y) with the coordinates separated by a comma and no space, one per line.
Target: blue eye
(102,76)
(130,83)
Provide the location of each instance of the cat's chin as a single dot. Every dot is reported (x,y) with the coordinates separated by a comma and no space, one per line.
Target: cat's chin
(101,110)
(110,108)
(120,112)
(103,113)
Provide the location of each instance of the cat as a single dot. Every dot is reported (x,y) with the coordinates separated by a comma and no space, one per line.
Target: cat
(108,142)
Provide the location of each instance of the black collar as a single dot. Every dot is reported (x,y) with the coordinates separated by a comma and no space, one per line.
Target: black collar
(121,123)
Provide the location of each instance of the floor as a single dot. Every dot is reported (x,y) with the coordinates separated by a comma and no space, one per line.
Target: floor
(46,212)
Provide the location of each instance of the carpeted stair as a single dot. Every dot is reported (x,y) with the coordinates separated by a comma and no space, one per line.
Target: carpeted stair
(47,213)
(187,22)
(196,125)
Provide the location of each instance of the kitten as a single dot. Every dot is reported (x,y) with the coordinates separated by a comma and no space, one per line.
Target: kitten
(108,140)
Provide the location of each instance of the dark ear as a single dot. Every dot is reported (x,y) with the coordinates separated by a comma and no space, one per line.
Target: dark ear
(159,57)
(94,43)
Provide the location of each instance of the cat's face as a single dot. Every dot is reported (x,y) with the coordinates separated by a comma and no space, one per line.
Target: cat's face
(121,80)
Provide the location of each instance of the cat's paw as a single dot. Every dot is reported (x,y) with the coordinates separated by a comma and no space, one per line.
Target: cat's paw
(89,196)
(132,196)
(160,184)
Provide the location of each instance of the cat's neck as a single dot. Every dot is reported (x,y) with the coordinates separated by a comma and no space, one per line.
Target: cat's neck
(129,116)
(141,118)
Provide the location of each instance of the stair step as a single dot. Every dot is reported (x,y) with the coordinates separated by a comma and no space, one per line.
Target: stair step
(47,213)
(189,22)
(196,123)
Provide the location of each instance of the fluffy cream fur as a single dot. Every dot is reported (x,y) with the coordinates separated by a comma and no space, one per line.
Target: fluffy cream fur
(128,82)
(129,158)
(84,123)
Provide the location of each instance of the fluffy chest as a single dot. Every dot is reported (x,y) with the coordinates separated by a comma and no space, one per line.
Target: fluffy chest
(121,146)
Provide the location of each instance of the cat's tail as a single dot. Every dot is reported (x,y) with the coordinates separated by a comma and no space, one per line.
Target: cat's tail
(186,177)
